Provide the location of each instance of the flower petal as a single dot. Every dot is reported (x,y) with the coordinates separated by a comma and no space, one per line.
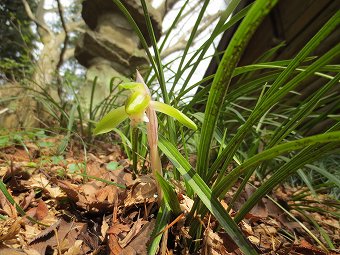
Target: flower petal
(137,103)
(134,86)
(171,111)
(111,120)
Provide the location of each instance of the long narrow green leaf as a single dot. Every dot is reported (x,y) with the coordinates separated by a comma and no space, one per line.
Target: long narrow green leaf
(138,32)
(303,226)
(190,40)
(226,155)
(161,79)
(220,27)
(163,217)
(266,104)
(173,25)
(328,28)
(223,76)
(302,112)
(10,199)
(169,195)
(206,195)
(227,181)
(328,175)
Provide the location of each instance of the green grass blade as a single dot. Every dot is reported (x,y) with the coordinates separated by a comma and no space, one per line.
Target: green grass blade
(323,33)
(219,28)
(320,229)
(302,112)
(173,25)
(9,197)
(66,139)
(304,227)
(332,178)
(126,142)
(307,181)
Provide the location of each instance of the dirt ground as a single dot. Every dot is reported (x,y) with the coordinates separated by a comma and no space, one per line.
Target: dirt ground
(88,203)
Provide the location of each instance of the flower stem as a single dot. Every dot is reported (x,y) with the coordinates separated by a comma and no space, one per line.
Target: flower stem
(134,151)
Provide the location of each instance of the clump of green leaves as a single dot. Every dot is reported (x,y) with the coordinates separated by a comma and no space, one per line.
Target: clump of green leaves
(273,131)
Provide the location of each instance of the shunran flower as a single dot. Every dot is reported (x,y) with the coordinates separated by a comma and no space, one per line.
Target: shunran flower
(135,109)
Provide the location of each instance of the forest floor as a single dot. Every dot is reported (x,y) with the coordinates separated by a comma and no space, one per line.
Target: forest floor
(75,206)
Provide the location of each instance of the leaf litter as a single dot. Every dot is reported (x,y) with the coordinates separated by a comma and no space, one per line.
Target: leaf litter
(91,205)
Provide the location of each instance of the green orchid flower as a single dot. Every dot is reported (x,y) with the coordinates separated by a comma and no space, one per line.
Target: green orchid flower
(136,110)
(140,108)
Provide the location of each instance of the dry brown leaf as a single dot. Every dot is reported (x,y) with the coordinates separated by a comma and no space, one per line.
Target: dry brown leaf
(139,244)
(41,211)
(27,200)
(213,243)
(75,249)
(94,196)
(246,228)
(306,248)
(31,252)
(186,203)
(254,240)
(132,233)
(4,250)
(104,228)
(108,193)
(7,207)
(3,170)
(114,245)
(260,210)
(9,228)
(143,190)
(40,181)
(48,237)
(31,231)
(118,228)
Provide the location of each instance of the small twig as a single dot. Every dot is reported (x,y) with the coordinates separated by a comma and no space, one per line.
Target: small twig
(58,242)
(34,18)
(63,24)
(181,216)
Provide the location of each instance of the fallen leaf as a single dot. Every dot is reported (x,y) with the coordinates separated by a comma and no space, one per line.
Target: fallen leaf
(139,244)
(9,228)
(7,207)
(118,228)
(114,245)
(104,228)
(4,250)
(143,190)
(214,244)
(254,240)
(75,249)
(42,210)
(132,233)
